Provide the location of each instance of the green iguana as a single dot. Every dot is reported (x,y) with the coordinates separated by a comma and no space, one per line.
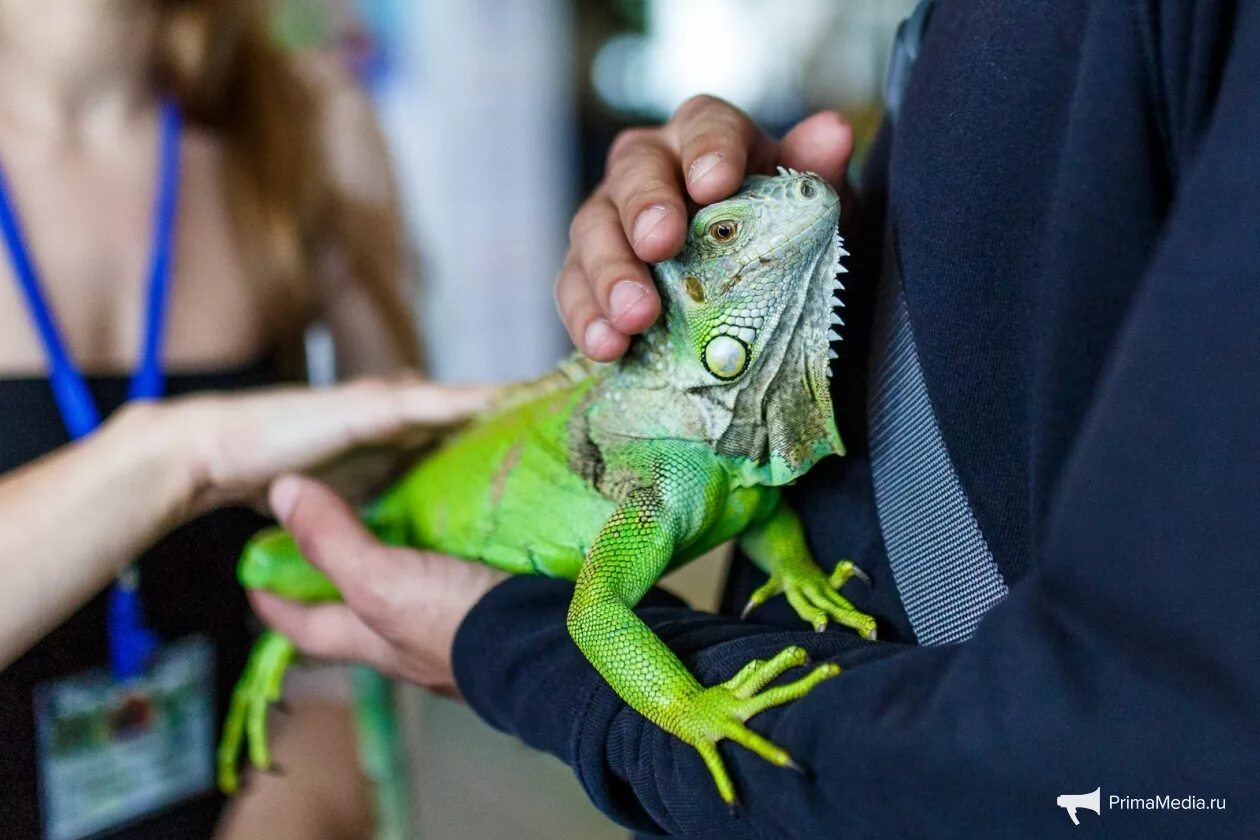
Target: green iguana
(613,475)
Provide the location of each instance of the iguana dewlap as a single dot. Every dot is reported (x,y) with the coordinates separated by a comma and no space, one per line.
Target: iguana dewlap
(612,475)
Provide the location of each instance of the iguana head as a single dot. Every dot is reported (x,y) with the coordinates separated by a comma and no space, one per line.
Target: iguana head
(749,321)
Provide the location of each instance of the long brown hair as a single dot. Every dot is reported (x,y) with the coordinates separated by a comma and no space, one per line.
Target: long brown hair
(218,59)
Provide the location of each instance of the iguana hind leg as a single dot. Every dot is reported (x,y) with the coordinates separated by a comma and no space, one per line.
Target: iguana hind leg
(271,562)
(246,720)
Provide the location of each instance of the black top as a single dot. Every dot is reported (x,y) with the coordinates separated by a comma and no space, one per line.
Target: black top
(1070,206)
(188,586)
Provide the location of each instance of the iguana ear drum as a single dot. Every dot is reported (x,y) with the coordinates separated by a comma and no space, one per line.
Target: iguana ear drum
(725,356)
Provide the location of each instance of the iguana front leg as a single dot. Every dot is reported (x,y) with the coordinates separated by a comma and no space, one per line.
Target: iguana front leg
(628,556)
(777,545)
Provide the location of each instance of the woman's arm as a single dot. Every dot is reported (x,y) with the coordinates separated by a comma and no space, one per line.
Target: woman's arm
(72,520)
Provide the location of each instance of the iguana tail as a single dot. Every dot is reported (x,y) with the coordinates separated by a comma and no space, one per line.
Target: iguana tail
(382,747)
(382,754)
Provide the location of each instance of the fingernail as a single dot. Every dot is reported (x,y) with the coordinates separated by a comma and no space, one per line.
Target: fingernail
(647,222)
(596,334)
(625,294)
(284,495)
(702,166)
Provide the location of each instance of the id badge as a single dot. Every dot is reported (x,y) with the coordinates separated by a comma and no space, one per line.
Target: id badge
(111,752)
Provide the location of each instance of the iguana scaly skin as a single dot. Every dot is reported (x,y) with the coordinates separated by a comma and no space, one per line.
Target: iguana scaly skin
(612,475)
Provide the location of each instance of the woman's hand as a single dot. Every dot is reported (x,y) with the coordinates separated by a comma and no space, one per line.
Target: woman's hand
(71,520)
(638,213)
(233,446)
(402,607)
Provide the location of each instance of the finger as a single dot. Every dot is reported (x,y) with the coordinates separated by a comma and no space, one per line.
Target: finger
(324,631)
(373,410)
(643,182)
(253,438)
(434,404)
(822,144)
(331,537)
(589,330)
(719,145)
(619,281)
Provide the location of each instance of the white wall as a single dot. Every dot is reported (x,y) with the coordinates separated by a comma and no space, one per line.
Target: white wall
(480,120)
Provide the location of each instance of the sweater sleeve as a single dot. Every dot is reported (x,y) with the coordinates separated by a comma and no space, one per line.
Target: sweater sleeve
(1126,660)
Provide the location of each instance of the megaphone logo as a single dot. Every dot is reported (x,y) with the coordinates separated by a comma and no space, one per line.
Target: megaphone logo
(1072,801)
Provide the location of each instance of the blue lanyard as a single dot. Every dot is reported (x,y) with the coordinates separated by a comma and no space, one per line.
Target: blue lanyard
(131,643)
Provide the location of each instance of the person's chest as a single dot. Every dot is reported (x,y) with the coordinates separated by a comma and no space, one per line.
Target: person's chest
(1026,192)
(87,222)
(1011,213)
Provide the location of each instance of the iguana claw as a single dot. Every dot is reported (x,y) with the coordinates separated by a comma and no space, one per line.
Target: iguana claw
(257,689)
(720,712)
(845,570)
(814,597)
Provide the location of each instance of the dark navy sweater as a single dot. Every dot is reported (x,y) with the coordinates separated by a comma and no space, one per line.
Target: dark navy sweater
(1070,207)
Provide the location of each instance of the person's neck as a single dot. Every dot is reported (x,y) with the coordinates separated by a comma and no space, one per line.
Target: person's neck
(76,70)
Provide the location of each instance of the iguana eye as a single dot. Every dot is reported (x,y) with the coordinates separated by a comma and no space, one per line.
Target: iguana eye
(725,357)
(723,230)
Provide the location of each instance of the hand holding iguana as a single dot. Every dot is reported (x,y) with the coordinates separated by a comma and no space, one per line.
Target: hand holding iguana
(637,215)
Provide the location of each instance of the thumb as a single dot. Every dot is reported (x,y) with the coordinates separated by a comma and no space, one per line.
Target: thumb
(329,534)
(823,144)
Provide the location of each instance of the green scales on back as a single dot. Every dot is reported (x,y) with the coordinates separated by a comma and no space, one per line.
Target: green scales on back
(612,474)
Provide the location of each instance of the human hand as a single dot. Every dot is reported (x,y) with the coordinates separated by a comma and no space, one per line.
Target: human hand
(233,446)
(402,607)
(638,213)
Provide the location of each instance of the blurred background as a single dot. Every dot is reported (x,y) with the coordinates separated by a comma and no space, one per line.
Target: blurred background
(499,114)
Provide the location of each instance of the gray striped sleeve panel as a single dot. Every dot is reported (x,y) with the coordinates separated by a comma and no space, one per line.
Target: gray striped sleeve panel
(943,567)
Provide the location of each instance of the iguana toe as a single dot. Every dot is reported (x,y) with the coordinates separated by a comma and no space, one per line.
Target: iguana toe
(721,712)
(258,688)
(815,598)
(845,570)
